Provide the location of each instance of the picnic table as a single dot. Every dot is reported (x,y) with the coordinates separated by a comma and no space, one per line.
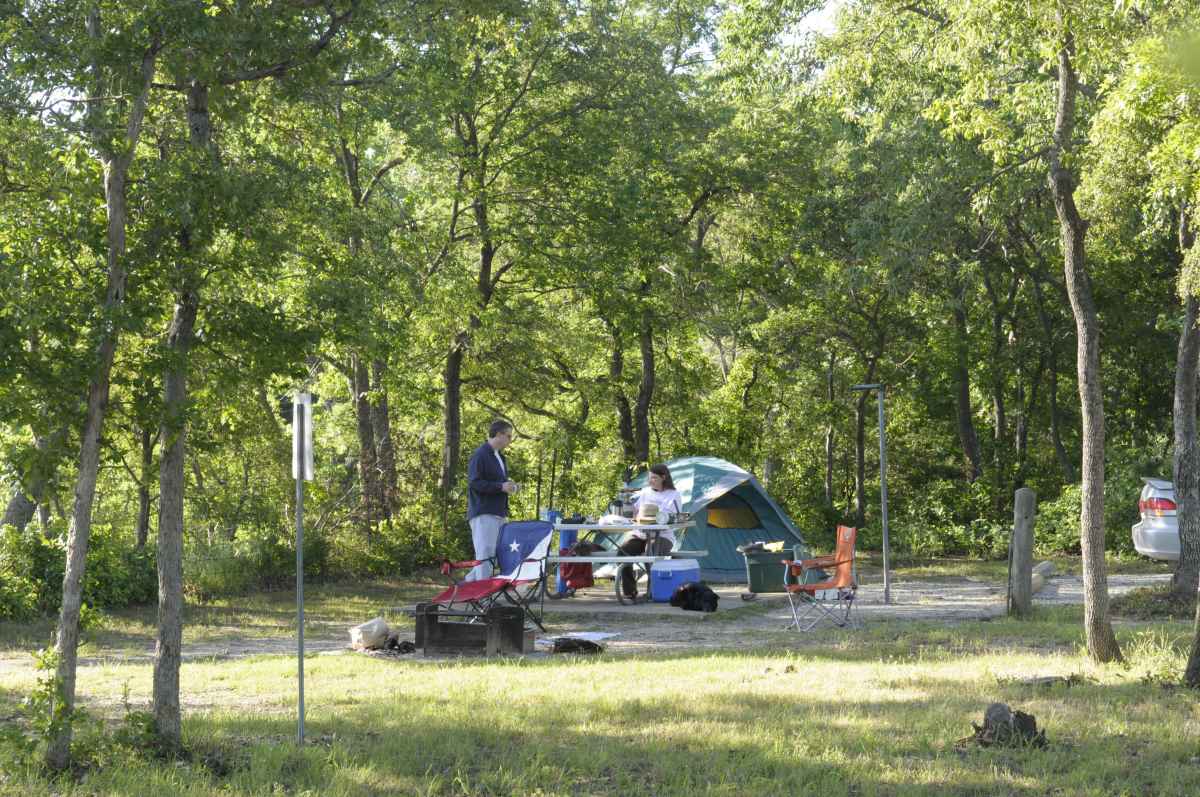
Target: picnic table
(613,533)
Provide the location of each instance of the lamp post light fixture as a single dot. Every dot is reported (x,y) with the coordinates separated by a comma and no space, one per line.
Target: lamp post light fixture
(887,576)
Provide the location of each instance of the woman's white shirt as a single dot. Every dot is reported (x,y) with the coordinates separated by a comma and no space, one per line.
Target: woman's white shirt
(669,501)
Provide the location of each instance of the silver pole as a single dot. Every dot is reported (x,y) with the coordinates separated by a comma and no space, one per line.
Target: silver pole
(300,567)
(887,576)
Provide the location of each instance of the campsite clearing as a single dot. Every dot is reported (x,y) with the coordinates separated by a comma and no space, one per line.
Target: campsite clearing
(682,703)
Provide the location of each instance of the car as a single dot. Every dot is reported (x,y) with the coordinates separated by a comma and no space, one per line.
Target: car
(1156,535)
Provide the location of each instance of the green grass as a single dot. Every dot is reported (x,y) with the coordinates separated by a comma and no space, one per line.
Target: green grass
(874,712)
(329,610)
(943,568)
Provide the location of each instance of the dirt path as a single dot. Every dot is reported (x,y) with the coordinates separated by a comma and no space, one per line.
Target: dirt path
(659,627)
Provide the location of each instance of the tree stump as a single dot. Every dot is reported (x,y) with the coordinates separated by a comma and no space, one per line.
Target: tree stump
(1005,727)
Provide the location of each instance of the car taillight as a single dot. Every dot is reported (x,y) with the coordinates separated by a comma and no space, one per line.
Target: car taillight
(1156,505)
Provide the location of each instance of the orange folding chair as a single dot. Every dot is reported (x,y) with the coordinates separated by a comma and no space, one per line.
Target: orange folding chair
(832,599)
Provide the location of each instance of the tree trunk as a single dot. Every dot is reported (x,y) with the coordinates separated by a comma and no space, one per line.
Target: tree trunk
(381,424)
(770,462)
(1188,516)
(1101,642)
(452,413)
(616,372)
(173,434)
(967,436)
(829,430)
(1191,675)
(368,460)
(116,167)
(860,460)
(641,410)
(744,440)
(1187,453)
(23,504)
(171,482)
(1060,450)
(1065,463)
(19,511)
(143,519)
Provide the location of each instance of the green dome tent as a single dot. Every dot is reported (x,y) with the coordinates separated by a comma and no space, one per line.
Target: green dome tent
(730,508)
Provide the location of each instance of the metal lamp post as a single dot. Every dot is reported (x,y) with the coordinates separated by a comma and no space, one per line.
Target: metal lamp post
(302,471)
(887,576)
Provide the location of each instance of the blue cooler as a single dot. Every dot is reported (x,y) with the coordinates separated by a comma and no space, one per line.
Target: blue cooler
(666,577)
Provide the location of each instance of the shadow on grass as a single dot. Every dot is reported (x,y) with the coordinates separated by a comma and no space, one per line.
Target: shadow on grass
(735,743)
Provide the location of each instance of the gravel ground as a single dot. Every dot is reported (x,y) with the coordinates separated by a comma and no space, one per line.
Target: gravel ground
(662,628)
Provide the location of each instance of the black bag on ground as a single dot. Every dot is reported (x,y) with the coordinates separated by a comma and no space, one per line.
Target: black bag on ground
(695,596)
(566,644)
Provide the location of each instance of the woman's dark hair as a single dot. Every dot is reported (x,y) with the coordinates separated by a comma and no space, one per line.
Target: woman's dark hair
(498,427)
(662,470)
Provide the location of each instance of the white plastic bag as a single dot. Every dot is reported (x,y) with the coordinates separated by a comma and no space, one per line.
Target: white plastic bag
(371,635)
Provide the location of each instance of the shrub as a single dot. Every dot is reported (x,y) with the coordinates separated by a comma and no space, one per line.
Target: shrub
(32,566)
(1057,527)
(234,567)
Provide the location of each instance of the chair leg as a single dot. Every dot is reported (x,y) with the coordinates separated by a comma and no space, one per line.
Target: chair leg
(524,603)
(808,611)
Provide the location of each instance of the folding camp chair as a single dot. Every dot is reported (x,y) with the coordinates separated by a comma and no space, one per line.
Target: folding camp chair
(831,599)
(520,567)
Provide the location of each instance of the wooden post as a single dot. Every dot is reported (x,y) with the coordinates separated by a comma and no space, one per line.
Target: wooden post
(1020,566)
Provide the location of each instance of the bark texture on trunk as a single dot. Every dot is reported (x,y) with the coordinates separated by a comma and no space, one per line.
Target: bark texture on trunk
(860,459)
(381,424)
(1187,452)
(19,510)
(1101,642)
(116,168)
(171,481)
(368,459)
(173,434)
(452,413)
(24,503)
(829,431)
(616,374)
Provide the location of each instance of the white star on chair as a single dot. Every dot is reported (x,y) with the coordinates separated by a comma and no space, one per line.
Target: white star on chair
(514,547)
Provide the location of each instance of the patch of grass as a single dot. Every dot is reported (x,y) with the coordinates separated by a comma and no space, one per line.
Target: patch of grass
(942,569)
(1154,603)
(875,711)
(329,609)
(851,715)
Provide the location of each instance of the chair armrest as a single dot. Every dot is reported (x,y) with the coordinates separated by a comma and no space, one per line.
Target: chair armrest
(447,565)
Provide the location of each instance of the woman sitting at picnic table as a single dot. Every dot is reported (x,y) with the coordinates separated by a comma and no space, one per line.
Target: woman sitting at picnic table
(659,495)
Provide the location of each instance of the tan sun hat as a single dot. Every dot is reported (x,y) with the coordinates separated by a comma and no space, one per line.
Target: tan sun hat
(647,513)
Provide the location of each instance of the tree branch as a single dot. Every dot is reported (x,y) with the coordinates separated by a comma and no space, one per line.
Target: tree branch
(280,68)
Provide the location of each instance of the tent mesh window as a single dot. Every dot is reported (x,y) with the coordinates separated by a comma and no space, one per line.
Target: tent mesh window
(731,512)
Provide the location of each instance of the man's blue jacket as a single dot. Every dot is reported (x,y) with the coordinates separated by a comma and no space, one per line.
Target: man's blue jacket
(484,480)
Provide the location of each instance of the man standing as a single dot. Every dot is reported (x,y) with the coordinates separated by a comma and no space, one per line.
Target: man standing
(487,495)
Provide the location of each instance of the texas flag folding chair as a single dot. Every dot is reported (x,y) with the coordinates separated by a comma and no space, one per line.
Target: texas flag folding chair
(831,599)
(520,567)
